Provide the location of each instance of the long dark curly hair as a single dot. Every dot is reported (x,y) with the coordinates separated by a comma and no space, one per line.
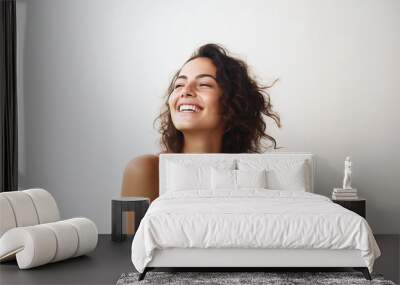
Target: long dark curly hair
(244,102)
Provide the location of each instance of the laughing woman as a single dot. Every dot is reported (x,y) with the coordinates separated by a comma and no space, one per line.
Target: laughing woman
(212,105)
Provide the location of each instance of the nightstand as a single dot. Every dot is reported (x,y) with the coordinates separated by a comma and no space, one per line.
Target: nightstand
(119,205)
(358,206)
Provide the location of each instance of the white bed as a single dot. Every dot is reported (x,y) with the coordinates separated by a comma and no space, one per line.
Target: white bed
(202,220)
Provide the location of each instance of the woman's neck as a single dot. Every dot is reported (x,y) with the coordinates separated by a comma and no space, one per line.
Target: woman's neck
(210,142)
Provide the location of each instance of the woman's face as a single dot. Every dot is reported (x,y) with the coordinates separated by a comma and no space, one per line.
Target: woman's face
(194,102)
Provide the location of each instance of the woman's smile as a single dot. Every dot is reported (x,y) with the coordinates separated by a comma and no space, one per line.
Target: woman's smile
(187,107)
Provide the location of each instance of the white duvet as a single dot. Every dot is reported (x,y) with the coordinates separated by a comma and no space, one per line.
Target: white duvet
(252,218)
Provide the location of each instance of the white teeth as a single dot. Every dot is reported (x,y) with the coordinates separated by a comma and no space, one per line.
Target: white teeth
(188,108)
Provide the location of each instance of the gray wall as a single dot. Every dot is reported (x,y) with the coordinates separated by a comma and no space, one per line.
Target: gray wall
(92,75)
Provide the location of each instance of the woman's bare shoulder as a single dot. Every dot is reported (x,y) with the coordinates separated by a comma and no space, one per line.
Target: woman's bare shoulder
(140,177)
(142,162)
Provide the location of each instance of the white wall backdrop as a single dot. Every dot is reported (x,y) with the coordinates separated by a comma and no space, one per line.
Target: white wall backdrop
(92,75)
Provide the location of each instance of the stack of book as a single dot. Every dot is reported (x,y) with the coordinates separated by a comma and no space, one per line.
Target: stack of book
(344,194)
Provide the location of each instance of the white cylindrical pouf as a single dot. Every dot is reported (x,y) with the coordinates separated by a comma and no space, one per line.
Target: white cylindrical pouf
(23,208)
(87,233)
(67,239)
(34,245)
(46,206)
(7,218)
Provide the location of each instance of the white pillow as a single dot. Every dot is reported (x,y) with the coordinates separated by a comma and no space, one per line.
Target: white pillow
(282,174)
(287,179)
(251,178)
(193,175)
(223,179)
(226,179)
(181,177)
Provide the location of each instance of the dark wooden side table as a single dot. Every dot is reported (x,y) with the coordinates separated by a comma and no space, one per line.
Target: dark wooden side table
(119,205)
(358,206)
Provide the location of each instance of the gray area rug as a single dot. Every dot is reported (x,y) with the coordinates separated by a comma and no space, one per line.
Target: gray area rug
(228,278)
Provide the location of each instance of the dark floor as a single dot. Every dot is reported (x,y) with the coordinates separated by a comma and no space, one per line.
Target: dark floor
(102,266)
(111,259)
